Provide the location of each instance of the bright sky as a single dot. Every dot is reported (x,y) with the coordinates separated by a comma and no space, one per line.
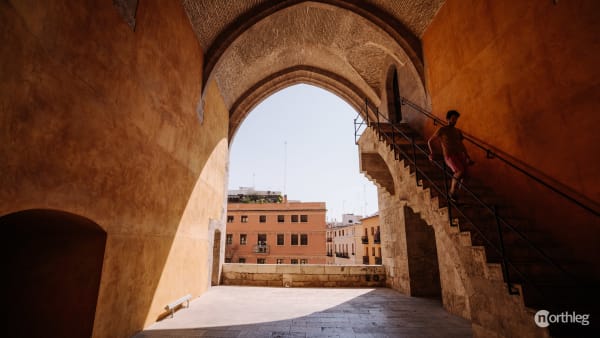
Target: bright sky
(305,135)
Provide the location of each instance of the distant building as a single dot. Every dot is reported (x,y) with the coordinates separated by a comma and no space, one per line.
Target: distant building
(354,241)
(371,240)
(265,228)
(343,241)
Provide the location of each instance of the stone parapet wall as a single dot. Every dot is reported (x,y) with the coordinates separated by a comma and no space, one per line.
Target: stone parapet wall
(303,275)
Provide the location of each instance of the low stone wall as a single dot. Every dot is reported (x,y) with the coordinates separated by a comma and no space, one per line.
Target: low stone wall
(303,275)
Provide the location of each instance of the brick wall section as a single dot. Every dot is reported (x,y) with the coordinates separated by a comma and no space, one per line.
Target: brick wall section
(296,275)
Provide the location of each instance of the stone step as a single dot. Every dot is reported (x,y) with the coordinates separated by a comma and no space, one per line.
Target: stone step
(383,127)
(405,138)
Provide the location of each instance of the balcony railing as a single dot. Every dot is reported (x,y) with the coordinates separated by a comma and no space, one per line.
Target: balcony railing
(377,238)
(330,254)
(365,239)
(329,239)
(366,260)
(261,248)
(342,254)
(378,260)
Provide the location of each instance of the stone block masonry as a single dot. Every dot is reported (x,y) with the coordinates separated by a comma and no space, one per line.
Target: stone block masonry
(300,275)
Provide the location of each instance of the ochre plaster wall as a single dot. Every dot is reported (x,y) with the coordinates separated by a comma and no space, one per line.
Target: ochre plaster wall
(100,121)
(524,75)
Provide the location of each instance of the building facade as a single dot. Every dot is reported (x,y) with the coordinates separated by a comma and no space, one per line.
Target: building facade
(264,229)
(371,240)
(343,241)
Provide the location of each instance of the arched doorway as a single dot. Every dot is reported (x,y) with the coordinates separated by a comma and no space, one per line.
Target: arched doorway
(422,255)
(55,262)
(394,101)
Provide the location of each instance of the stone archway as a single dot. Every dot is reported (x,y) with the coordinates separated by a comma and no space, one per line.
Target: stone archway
(55,262)
(422,256)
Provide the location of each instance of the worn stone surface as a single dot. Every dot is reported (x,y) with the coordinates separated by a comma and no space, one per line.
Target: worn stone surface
(211,17)
(470,287)
(303,275)
(234,311)
(317,43)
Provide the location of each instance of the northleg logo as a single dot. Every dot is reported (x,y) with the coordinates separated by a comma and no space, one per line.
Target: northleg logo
(544,318)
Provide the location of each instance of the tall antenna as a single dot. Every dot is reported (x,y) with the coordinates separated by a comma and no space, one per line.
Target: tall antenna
(284,166)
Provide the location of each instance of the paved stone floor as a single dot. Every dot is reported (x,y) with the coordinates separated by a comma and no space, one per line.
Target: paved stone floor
(237,311)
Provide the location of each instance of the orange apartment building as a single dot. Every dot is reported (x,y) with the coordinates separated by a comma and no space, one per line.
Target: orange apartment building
(371,240)
(356,240)
(264,228)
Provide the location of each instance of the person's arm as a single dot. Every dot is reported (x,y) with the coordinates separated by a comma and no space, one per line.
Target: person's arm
(431,139)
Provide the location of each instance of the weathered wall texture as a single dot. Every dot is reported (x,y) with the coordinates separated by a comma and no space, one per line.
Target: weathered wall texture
(470,287)
(101,122)
(422,256)
(393,241)
(524,75)
(303,275)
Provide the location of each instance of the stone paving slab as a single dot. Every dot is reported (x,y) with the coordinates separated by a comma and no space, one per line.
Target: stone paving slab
(242,311)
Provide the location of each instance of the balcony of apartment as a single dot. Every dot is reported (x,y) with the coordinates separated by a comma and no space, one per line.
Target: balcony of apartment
(366,260)
(261,249)
(365,239)
(378,260)
(377,238)
(342,255)
(329,254)
(329,239)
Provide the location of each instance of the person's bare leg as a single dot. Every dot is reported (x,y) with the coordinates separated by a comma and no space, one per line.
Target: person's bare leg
(452,186)
(456,180)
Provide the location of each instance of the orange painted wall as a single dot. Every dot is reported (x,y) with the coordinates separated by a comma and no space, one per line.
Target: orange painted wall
(525,77)
(100,121)
(314,252)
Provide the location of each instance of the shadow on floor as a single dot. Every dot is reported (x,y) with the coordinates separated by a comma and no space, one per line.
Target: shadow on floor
(373,313)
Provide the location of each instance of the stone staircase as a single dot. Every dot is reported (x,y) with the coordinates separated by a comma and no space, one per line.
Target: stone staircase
(530,280)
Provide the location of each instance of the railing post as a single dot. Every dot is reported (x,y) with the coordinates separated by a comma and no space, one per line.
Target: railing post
(367,111)
(503,253)
(378,125)
(414,149)
(447,192)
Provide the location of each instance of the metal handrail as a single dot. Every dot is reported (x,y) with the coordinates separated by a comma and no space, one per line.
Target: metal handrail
(502,251)
(491,154)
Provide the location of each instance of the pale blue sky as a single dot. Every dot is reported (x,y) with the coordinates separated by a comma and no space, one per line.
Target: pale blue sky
(321,164)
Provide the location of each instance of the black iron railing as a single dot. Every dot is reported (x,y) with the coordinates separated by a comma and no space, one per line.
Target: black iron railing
(502,224)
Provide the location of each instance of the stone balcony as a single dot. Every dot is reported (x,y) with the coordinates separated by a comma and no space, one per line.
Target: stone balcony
(303,275)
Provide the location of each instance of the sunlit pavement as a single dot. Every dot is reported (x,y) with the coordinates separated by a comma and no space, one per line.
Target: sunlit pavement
(240,311)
